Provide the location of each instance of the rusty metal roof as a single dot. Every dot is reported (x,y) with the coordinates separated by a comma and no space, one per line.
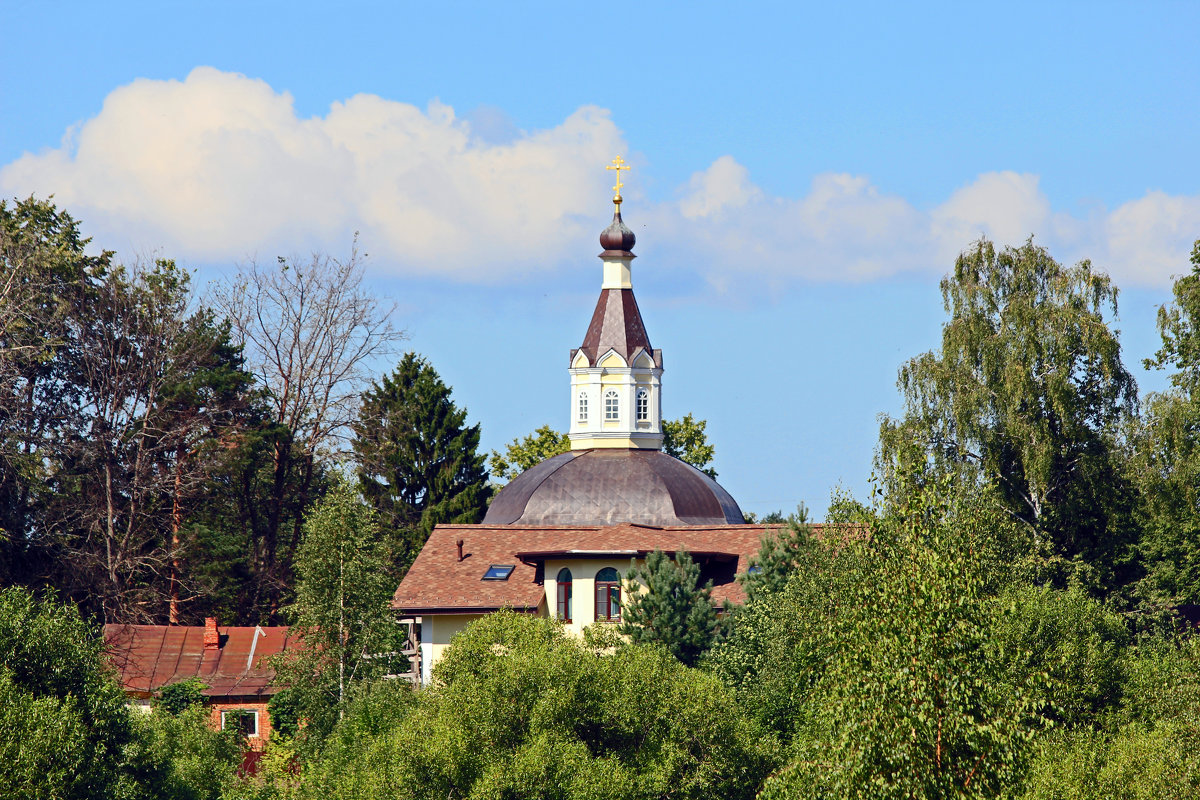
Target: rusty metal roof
(606,487)
(148,657)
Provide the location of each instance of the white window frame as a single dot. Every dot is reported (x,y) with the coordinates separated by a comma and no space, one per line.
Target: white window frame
(583,407)
(643,405)
(242,711)
(612,406)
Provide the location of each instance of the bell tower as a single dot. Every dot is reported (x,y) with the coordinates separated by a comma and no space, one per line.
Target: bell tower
(616,375)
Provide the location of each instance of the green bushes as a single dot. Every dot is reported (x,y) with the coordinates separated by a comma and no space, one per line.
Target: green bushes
(519,709)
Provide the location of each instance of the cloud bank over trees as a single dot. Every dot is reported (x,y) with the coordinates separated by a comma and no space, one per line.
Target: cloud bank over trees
(219,167)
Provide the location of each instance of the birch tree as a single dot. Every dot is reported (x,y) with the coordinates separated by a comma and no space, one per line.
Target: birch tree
(1028,391)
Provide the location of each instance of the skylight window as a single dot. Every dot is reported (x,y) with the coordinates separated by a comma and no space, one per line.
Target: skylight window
(498,572)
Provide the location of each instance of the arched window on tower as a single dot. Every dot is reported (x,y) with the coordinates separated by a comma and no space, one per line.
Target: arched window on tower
(611,406)
(608,595)
(564,594)
(583,406)
(643,405)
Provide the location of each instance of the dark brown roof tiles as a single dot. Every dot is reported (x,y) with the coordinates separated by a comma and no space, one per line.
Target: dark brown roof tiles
(438,582)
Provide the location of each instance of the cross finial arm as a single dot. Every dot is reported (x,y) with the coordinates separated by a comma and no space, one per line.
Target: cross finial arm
(618,164)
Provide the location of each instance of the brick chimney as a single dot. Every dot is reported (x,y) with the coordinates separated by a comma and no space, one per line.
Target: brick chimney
(212,640)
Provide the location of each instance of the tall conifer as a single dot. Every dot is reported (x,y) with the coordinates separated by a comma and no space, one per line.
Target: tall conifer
(418,460)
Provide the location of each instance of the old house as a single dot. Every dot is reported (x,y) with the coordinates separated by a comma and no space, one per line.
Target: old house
(232,662)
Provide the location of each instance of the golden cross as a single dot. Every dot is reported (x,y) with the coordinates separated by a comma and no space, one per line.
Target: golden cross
(618,165)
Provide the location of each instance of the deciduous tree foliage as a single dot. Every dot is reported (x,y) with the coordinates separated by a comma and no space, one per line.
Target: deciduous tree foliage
(345,570)
(674,610)
(521,454)
(880,664)
(685,439)
(520,709)
(1028,392)
(309,331)
(1165,453)
(418,460)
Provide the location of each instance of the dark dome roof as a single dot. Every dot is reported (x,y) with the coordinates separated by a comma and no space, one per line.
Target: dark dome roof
(617,239)
(608,486)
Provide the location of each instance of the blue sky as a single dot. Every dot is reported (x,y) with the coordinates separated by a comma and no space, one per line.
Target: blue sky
(803,176)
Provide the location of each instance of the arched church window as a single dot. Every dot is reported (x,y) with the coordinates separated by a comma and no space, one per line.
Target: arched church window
(611,406)
(583,406)
(564,594)
(643,405)
(608,595)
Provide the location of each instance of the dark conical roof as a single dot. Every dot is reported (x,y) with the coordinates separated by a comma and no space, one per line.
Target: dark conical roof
(605,487)
(616,325)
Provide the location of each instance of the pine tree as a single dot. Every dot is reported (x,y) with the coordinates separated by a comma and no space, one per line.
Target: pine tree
(675,610)
(418,461)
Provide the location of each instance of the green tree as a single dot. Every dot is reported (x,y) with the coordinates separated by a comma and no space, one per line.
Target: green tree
(685,439)
(779,554)
(418,460)
(521,454)
(65,729)
(1165,453)
(880,663)
(1027,392)
(190,760)
(346,575)
(176,698)
(521,709)
(674,610)
(47,285)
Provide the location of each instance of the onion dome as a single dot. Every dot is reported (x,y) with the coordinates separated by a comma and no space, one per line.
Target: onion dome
(617,240)
(610,486)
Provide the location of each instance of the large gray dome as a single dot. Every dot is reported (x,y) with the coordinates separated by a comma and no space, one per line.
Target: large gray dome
(608,486)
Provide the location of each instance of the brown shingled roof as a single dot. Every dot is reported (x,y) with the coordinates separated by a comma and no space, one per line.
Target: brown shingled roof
(438,582)
(617,325)
(149,657)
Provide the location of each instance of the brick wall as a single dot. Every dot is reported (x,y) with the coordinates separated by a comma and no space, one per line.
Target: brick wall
(256,742)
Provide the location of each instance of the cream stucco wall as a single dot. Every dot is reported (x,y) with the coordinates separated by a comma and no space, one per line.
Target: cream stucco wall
(583,587)
(437,630)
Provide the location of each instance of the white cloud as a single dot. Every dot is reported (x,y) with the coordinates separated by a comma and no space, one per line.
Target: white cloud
(846,229)
(218,167)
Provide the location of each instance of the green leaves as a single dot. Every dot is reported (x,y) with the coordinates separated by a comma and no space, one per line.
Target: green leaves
(674,610)
(521,454)
(879,660)
(1028,392)
(520,709)
(685,439)
(346,575)
(418,461)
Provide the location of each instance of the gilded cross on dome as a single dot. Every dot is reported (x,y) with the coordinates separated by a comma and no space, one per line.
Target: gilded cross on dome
(618,165)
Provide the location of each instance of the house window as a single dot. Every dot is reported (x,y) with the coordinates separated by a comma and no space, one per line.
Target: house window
(643,405)
(608,595)
(583,407)
(564,594)
(240,719)
(610,405)
(498,572)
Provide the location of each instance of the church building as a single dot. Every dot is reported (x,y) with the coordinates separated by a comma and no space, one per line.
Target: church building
(558,539)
